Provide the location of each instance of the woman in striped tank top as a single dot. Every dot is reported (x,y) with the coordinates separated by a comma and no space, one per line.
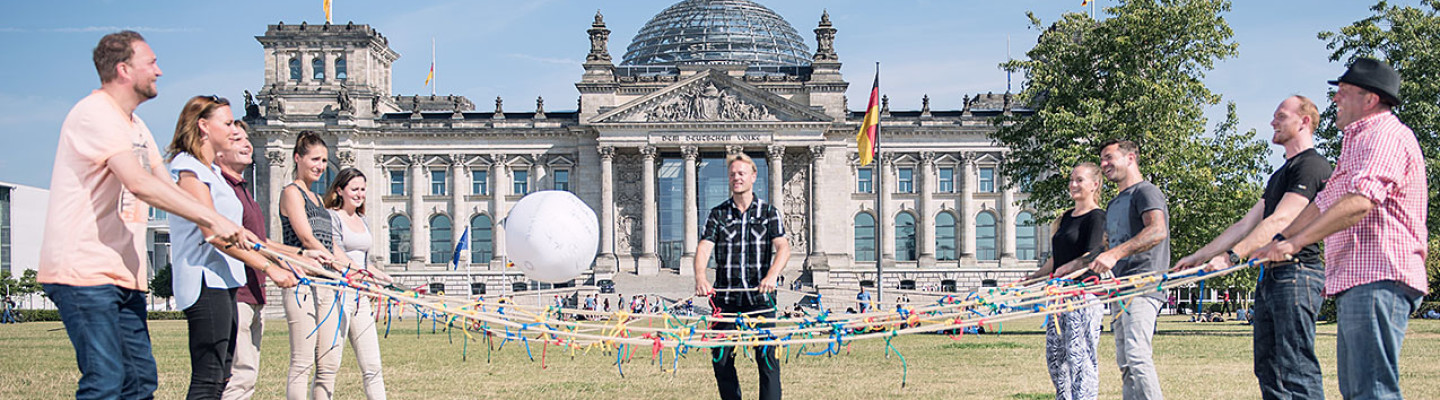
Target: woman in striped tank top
(310,311)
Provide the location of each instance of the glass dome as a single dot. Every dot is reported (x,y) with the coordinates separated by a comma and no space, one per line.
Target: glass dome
(699,31)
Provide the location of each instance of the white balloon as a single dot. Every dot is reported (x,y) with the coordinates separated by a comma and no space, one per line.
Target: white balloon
(552,236)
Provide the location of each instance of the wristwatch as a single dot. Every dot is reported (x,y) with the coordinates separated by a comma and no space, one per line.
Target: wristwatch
(1234,258)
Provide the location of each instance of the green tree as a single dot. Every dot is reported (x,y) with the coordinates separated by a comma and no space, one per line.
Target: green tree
(9,286)
(160,285)
(1404,37)
(1137,75)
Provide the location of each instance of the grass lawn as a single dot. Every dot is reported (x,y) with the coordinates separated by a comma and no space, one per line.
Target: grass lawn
(1196,361)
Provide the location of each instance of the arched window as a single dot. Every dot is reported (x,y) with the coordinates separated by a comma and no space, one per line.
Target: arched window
(318,66)
(482,239)
(441,249)
(945,237)
(985,236)
(295,69)
(340,70)
(399,239)
(1025,246)
(864,237)
(905,237)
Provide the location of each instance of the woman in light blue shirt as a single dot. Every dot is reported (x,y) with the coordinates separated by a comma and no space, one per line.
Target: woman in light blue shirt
(205,277)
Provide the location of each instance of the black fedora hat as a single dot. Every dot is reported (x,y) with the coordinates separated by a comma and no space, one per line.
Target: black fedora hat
(1375,76)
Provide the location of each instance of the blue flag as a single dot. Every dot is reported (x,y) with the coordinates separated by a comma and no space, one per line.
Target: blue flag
(463,245)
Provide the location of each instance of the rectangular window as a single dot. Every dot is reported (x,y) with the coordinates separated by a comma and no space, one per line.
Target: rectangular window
(562,179)
(5,229)
(987,180)
(397,182)
(437,182)
(865,183)
(479,182)
(947,180)
(522,182)
(906,183)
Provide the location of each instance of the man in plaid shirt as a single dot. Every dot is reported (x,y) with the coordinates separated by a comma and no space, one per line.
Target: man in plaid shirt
(1371,215)
(752,251)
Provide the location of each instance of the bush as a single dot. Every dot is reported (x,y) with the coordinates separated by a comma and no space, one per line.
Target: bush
(165,315)
(54,315)
(1327,310)
(1424,307)
(39,315)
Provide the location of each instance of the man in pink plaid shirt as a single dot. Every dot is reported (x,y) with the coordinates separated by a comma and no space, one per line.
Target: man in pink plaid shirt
(1371,215)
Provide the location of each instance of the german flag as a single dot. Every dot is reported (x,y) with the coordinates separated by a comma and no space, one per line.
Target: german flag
(870,129)
(431,75)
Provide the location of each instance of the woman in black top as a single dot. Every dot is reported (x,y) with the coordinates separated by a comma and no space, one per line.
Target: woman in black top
(1072,337)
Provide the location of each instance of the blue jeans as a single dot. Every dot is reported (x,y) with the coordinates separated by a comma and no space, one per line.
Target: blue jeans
(106,325)
(1372,325)
(1286,302)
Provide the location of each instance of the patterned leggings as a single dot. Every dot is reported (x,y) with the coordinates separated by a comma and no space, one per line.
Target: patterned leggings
(1071,341)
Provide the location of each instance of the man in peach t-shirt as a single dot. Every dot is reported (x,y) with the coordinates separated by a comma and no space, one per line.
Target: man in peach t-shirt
(90,265)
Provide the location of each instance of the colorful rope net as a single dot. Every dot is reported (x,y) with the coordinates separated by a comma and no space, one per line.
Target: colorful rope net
(679,326)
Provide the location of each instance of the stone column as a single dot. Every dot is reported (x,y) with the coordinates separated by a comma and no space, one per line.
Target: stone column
(498,208)
(607,261)
(278,174)
(329,58)
(1006,222)
(649,263)
(776,160)
(419,219)
(458,210)
(967,210)
(817,260)
(307,70)
(692,216)
(925,226)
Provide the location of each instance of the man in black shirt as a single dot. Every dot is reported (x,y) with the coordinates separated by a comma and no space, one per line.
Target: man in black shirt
(748,239)
(1289,294)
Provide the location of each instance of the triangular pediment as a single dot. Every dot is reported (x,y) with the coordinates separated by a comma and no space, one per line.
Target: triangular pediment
(711,96)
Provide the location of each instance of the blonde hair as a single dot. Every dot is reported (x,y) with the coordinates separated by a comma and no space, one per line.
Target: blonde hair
(741,157)
(1307,109)
(1093,173)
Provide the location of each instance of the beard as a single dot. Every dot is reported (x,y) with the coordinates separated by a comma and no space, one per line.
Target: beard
(147,90)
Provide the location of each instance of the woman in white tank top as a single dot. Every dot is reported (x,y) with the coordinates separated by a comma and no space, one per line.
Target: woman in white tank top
(346,202)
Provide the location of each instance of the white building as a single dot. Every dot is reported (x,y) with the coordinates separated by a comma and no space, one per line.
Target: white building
(22,225)
(645,148)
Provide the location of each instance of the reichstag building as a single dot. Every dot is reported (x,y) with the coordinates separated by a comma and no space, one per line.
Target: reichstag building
(645,147)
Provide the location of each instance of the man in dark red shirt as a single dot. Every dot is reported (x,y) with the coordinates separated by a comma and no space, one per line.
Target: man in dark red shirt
(251,297)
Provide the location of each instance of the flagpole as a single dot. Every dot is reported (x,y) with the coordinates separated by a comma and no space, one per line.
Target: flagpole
(879,205)
(435,80)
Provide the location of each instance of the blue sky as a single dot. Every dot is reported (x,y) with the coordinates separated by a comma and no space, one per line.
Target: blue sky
(522,49)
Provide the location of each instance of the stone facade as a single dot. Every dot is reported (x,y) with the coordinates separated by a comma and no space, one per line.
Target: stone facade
(632,122)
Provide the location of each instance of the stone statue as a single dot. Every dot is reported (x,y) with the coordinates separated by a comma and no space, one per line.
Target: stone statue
(499,106)
(415,107)
(343,99)
(599,36)
(539,108)
(375,105)
(252,111)
(825,39)
(707,104)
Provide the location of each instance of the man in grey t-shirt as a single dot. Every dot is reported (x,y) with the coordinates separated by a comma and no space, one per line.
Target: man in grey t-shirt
(1137,224)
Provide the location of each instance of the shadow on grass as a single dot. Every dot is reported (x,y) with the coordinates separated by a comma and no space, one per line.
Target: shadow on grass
(976,345)
(1032,396)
